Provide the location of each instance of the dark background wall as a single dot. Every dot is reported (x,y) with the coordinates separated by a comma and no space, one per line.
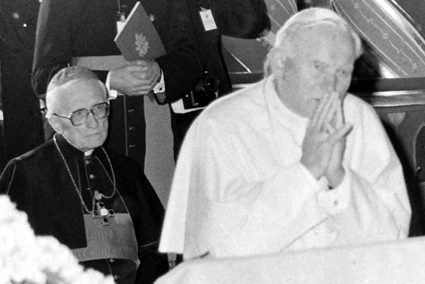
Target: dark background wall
(22,126)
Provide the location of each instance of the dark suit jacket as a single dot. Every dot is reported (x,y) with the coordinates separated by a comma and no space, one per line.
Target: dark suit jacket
(72,28)
(240,18)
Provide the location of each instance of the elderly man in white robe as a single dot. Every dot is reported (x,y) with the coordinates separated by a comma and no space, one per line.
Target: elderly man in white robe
(292,162)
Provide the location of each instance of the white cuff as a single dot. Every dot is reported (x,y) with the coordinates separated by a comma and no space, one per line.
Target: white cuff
(112,93)
(160,86)
(337,199)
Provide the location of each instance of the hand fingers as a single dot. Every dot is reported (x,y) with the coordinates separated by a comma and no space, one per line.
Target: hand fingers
(140,92)
(340,114)
(137,62)
(145,75)
(137,68)
(320,111)
(319,108)
(328,123)
(143,87)
(340,133)
(325,113)
(329,128)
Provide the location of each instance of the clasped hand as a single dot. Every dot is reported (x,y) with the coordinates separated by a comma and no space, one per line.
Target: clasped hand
(324,142)
(136,78)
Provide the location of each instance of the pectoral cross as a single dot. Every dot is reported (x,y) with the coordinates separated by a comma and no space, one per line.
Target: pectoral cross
(100,211)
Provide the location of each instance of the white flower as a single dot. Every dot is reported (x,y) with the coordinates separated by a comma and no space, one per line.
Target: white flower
(27,258)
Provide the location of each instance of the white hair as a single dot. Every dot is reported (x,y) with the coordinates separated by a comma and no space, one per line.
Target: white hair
(304,19)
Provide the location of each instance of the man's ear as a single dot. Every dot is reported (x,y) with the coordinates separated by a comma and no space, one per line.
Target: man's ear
(280,60)
(56,124)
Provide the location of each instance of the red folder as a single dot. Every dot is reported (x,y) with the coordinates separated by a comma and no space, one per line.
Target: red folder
(138,39)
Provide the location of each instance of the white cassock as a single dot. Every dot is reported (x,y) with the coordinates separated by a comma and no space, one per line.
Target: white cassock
(239,187)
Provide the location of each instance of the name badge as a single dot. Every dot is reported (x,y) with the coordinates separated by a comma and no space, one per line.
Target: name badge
(120,22)
(208,19)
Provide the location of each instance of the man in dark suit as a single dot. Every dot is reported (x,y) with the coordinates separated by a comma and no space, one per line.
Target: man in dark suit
(246,19)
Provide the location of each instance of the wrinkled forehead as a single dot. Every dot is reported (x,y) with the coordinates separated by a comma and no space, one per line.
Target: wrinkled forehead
(320,38)
(331,47)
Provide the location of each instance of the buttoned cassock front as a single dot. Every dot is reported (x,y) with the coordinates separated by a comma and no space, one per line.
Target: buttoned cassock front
(240,189)
(40,184)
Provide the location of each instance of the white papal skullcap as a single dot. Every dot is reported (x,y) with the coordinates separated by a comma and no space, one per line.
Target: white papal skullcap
(314,16)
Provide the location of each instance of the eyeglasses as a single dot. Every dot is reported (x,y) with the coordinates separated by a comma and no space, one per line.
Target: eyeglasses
(79,116)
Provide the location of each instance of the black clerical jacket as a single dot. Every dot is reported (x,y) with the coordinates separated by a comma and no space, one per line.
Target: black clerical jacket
(39,183)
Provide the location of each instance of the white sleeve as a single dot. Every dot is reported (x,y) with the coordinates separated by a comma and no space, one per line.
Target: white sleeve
(372,203)
(160,86)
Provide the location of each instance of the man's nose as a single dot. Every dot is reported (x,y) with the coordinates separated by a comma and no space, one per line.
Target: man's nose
(91,120)
(331,82)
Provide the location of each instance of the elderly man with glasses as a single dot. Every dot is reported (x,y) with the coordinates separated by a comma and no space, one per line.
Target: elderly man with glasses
(97,202)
